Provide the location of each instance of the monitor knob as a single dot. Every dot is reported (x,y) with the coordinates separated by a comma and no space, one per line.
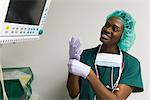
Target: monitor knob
(41,32)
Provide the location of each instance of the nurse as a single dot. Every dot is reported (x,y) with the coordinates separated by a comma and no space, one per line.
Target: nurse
(106,72)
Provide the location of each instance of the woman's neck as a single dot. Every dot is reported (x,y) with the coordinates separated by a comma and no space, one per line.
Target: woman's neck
(109,49)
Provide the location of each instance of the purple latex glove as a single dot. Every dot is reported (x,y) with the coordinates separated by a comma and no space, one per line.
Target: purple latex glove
(74,48)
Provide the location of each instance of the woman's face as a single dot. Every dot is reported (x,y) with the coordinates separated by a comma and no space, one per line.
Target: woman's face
(112,31)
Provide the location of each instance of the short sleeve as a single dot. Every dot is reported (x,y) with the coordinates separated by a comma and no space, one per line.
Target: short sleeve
(131,75)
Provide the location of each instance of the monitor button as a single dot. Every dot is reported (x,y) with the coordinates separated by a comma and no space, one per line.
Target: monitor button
(7,27)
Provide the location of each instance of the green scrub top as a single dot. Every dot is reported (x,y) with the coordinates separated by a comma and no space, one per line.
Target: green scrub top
(131,74)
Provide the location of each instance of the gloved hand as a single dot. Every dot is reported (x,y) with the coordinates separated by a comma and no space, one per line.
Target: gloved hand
(74,48)
(78,68)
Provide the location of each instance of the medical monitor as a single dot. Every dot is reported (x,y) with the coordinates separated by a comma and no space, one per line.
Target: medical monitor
(22,17)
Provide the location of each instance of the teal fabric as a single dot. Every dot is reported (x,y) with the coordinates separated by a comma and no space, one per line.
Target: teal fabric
(131,74)
(14,89)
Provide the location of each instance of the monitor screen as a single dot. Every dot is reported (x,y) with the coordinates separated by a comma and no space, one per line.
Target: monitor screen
(25,11)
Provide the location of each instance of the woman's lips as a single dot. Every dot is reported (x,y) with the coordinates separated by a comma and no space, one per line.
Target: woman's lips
(105,36)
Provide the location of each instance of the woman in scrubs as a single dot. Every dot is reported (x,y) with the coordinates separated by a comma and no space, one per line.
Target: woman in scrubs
(100,80)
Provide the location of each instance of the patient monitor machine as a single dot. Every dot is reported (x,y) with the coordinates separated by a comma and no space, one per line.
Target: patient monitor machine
(22,19)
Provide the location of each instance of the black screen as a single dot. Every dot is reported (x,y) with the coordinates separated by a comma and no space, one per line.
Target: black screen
(25,11)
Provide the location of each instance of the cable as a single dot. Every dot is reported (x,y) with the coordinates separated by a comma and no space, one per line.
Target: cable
(2,83)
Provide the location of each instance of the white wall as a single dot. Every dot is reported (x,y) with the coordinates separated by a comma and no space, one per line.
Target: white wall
(83,18)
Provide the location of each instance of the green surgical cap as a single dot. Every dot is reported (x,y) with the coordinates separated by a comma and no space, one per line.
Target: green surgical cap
(128,35)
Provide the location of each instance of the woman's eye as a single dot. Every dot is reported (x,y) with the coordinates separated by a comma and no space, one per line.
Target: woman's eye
(115,29)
